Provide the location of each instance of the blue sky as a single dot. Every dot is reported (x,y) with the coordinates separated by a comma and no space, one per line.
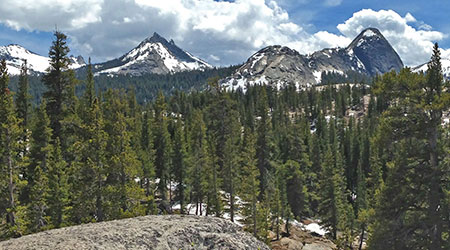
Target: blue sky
(222,32)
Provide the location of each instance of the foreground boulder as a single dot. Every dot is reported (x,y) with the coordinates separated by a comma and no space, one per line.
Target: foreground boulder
(148,232)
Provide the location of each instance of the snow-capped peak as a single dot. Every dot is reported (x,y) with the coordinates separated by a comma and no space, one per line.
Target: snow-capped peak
(369,33)
(15,55)
(153,55)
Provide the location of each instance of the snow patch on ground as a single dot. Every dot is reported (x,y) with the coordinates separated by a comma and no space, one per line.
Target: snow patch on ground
(316,228)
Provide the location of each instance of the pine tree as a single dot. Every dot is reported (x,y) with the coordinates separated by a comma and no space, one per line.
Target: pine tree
(10,133)
(57,198)
(146,156)
(59,81)
(262,143)
(161,146)
(333,203)
(122,193)
(23,105)
(413,117)
(179,163)
(38,205)
(37,181)
(250,182)
(199,164)
(40,147)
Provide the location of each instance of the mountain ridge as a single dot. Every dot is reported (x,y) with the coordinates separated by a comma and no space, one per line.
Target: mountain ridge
(15,54)
(369,53)
(153,55)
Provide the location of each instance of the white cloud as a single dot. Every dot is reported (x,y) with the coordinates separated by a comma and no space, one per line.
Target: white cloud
(223,32)
(413,45)
(45,14)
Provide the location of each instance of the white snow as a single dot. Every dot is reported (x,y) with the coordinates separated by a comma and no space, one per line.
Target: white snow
(35,62)
(369,33)
(445,67)
(75,64)
(18,53)
(256,58)
(318,76)
(316,228)
(172,63)
(191,208)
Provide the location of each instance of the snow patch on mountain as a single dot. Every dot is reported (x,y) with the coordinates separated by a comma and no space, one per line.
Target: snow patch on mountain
(153,55)
(15,55)
(445,68)
(369,33)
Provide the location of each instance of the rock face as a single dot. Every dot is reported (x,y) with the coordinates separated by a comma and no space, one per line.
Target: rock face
(369,53)
(153,55)
(148,232)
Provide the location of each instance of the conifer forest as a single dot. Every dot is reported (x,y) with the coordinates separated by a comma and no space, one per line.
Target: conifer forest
(370,160)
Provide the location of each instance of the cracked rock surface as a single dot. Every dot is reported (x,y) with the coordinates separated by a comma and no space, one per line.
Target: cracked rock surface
(147,232)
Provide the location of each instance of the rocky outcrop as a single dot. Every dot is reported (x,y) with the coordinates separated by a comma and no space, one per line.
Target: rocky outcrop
(300,239)
(148,232)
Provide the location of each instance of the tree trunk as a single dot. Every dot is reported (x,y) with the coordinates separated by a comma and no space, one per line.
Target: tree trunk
(361,238)
(254,210)
(11,215)
(231,201)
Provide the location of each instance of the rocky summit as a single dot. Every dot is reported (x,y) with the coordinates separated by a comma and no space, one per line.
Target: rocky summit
(153,55)
(369,53)
(148,232)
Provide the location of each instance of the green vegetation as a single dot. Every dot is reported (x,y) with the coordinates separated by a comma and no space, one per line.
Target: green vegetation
(367,162)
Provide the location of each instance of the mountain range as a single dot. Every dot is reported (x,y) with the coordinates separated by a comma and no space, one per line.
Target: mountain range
(369,53)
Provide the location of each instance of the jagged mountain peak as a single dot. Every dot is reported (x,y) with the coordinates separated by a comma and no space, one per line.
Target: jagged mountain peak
(153,55)
(155,38)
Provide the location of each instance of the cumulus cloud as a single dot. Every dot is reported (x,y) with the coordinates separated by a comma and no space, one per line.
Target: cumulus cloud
(44,15)
(222,32)
(413,45)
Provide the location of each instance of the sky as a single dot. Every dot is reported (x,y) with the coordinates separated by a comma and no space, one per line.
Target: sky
(225,32)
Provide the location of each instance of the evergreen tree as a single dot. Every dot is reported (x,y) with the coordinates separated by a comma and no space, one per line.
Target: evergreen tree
(416,103)
(179,163)
(23,104)
(161,146)
(250,182)
(57,199)
(10,133)
(122,193)
(333,203)
(59,81)
(262,143)
(38,205)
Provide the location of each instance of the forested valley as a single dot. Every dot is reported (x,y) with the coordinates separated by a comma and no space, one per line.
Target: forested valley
(369,160)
